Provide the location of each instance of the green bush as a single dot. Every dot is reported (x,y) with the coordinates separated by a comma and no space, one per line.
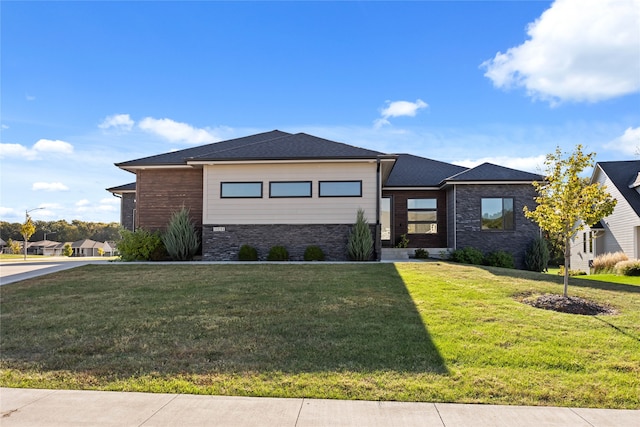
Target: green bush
(141,245)
(278,253)
(571,272)
(536,258)
(403,242)
(181,239)
(360,245)
(313,253)
(499,259)
(467,255)
(628,268)
(421,253)
(67,250)
(247,253)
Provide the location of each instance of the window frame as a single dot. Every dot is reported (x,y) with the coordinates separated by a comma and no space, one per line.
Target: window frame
(434,210)
(271,196)
(513,214)
(222,184)
(339,195)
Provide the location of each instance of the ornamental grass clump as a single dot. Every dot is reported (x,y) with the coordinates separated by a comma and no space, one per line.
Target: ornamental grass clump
(606,263)
(181,239)
(628,268)
(360,245)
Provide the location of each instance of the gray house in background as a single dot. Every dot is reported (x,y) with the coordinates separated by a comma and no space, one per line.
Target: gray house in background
(620,231)
(277,188)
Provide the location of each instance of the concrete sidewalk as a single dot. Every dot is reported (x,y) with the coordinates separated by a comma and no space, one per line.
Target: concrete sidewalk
(29,407)
(16,271)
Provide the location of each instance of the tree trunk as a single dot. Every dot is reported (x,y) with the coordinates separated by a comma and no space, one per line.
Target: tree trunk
(567,265)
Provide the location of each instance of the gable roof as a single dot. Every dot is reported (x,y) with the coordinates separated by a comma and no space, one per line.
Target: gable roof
(624,174)
(414,171)
(274,145)
(491,172)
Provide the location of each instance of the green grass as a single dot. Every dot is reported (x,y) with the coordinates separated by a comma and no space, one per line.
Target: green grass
(611,278)
(411,332)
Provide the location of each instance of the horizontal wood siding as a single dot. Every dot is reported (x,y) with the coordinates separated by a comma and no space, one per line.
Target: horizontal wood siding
(161,192)
(399,213)
(620,225)
(307,210)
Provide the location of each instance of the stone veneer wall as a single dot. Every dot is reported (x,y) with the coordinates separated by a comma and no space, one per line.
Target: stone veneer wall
(469,227)
(225,245)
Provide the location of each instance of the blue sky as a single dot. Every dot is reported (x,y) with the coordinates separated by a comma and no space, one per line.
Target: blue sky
(87,84)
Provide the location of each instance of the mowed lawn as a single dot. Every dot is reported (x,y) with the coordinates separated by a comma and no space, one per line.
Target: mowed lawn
(430,331)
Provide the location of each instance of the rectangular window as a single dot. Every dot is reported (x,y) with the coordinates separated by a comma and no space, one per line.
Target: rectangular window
(290,189)
(497,214)
(590,242)
(422,216)
(235,190)
(385,218)
(340,188)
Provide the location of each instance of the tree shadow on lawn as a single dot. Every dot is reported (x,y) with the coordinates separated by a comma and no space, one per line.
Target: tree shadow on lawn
(285,318)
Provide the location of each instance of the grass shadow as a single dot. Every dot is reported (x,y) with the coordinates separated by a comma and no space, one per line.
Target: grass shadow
(133,320)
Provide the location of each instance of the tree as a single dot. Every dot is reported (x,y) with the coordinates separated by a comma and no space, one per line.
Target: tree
(568,202)
(14,247)
(360,245)
(27,231)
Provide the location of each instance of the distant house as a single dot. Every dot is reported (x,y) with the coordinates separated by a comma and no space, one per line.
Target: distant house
(620,231)
(42,247)
(277,188)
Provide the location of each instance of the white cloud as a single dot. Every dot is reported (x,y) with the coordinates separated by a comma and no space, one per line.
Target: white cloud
(5,126)
(531,164)
(83,202)
(398,109)
(49,186)
(176,131)
(578,50)
(120,122)
(53,146)
(42,146)
(7,211)
(628,143)
(29,97)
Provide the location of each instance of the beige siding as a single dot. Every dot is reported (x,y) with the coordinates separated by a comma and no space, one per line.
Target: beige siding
(314,210)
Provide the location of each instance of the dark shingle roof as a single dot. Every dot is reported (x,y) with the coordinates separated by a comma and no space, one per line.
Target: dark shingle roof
(126,188)
(491,172)
(414,171)
(179,157)
(623,174)
(274,145)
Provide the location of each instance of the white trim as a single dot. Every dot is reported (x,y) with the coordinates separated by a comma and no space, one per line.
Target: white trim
(412,188)
(135,168)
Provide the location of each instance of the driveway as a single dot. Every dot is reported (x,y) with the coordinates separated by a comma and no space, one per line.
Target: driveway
(15,271)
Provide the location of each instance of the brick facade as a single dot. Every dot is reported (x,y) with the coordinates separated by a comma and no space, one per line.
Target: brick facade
(468,218)
(225,245)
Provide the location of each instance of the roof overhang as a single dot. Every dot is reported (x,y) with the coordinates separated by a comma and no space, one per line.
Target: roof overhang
(411,188)
(135,168)
(280,161)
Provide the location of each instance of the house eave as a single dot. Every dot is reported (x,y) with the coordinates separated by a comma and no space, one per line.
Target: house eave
(281,161)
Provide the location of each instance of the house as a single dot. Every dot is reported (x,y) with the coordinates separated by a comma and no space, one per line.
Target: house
(42,247)
(127,195)
(278,188)
(620,231)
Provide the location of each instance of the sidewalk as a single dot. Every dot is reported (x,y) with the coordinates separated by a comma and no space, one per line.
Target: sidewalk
(29,407)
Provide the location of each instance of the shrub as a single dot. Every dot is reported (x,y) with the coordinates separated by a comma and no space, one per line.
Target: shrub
(628,268)
(278,253)
(14,247)
(606,263)
(467,255)
(313,253)
(67,250)
(536,258)
(247,253)
(141,245)
(500,259)
(403,242)
(360,245)
(571,272)
(421,253)
(181,239)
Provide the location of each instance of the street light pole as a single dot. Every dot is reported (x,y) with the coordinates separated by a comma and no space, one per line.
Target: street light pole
(24,235)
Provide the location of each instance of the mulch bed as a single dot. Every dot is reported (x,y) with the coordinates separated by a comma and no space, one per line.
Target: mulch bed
(572,305)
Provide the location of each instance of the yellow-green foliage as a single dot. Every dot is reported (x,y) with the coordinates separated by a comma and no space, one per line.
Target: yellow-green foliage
(606,263)
(628,268)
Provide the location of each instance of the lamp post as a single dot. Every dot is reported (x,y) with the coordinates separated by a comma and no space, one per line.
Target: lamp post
(24,229)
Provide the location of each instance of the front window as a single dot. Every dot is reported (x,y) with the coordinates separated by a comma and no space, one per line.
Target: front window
(340,188)
(385,218)
(497,214)
(422,216)
(241,190)
(290,189)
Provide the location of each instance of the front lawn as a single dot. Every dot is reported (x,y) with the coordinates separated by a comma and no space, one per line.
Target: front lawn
(410,331)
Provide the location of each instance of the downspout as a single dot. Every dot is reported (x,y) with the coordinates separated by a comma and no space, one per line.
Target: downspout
(378,242)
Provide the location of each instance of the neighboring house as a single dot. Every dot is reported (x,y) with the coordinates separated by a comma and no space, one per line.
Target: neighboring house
(127,195)
(83,248)
(42,247)
(277,188)
(620,231)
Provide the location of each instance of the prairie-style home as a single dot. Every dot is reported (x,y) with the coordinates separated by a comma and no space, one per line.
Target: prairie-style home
(296,190)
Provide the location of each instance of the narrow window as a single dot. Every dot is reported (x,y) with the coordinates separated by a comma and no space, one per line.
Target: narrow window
(422,216)
(290,189)
(385,218)
(340,188)
(584,242)
(235,190)
(497,214)
(591,242)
